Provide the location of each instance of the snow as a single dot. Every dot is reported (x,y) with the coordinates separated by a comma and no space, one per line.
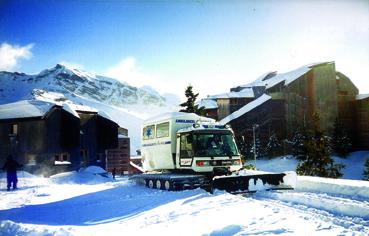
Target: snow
(87,203)
(69,109)
(362,96)
(248,107)
(271,79)
(24,109)
(244,93)
(287,78)
(207,104)
(354,164)
(110,207)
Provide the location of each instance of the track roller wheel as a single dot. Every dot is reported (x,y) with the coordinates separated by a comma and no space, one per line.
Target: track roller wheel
(158,184)
(150,183)
(167,185)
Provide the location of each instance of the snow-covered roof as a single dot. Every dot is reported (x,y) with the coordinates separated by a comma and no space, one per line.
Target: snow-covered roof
(39,108)
(271,79)
(275,78)
(24,109)
(362,96)
(207,104)
(67,107)
(248,107)
(83,108)
(105,115)
(244,93)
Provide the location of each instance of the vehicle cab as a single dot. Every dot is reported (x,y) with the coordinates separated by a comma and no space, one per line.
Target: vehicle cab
(203,147)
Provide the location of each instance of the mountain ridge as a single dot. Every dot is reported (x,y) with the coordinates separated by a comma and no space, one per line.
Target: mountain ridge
(125,104)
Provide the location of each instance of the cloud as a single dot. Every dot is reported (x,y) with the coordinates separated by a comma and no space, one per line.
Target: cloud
(11,54)
(128,71)
(72,65)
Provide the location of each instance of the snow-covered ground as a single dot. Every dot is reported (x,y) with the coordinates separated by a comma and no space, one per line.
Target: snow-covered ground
(87,203)
(354,164)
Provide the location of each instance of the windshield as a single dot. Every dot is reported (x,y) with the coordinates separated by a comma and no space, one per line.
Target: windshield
(218,144)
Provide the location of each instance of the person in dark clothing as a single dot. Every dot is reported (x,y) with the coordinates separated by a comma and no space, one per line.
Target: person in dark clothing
(11,166)
(114,173)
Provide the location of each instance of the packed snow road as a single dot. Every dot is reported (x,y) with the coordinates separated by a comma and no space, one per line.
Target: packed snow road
(351,215)
(85,204)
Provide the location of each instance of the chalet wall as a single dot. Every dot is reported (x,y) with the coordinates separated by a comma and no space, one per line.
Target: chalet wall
(346,98)
(88,139)
(270,118)
(119,158)
(39,140)
(223,107)
(30,138)
(98,134)
(58,141)
(296,103)
(106,134)
(237,103)
(325,94)
(362,124)
(212,113)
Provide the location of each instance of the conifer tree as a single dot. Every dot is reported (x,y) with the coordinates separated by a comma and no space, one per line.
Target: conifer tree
(298,144)
(366,170)
(273,147)
(258,146)
(341,143)
(189,105)
(244,147)
(316,161)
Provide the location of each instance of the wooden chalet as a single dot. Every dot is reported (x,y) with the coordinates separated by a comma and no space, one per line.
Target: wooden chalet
(49,138)
(294,97)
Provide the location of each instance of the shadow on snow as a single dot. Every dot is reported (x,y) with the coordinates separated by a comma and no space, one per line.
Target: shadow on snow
(95,208)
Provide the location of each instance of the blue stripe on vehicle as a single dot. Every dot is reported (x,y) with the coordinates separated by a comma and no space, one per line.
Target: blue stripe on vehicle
(156,144)
(185,121)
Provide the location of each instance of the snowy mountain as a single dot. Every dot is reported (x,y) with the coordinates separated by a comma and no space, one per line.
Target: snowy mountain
(73,82)
(125,104)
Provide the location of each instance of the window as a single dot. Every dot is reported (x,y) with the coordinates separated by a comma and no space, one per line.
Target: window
(62,158)
(221,144)
(65,157)
(148,132)
(162,130)
(186,145)
(14,129)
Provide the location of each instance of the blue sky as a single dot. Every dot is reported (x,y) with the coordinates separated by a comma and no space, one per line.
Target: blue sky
(213,45)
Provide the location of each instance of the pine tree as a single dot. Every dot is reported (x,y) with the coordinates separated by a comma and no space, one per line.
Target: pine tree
(341,143)
(316,159)
(298,144)
(273,147)
(366,170)
(244,147)
(189,106)
(258,146)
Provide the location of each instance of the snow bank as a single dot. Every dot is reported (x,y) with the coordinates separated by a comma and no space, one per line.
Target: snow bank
(354,164)
(354,188)
(11,228)
(89,175)
(93,170)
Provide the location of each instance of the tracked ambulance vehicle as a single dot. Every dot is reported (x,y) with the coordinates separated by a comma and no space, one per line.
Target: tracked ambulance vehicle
(186,151)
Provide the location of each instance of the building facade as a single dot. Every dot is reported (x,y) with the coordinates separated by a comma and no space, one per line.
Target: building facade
(48,138)
(316,88)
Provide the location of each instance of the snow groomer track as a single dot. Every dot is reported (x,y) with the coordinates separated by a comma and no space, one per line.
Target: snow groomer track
(339,202)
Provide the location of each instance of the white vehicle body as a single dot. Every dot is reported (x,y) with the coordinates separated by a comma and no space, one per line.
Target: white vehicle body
(172,142)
